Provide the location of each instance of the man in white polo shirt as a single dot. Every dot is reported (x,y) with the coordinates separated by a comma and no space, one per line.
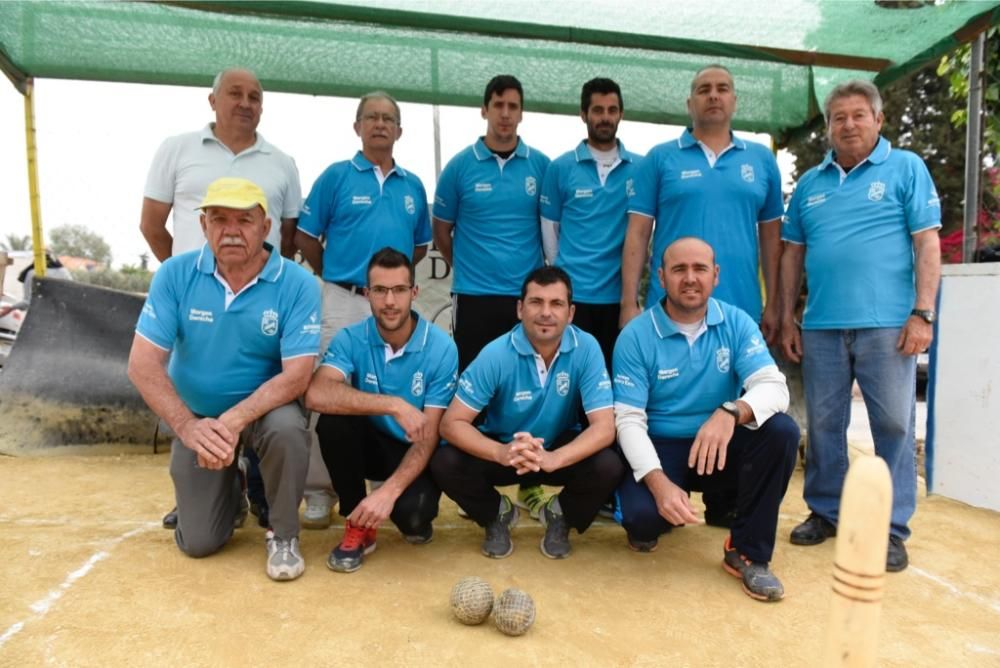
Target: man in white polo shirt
(217,396)
(231,146)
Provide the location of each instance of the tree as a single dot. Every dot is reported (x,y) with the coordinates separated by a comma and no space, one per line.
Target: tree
(13,242)
(78,241)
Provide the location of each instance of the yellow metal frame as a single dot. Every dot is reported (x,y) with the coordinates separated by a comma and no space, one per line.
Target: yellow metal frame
(37,239)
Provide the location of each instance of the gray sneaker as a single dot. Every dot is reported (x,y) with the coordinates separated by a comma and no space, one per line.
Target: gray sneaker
(497,543)
(284,561)
(317,513)
(555,542)
(758,580)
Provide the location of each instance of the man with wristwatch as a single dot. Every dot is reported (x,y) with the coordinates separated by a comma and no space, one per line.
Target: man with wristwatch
(699,406)
(864,225)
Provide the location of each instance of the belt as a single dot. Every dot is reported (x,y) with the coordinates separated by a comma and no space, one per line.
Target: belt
(350,287)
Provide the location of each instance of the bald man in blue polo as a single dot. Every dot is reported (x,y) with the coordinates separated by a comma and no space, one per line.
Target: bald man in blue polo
(224,349)
(530,384)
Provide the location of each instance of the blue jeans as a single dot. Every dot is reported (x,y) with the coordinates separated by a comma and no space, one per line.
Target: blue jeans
(832,359)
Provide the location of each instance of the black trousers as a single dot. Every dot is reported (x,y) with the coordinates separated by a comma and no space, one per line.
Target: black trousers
(354,450)
(470,481)
(601,321)
(759,464)
(477,320)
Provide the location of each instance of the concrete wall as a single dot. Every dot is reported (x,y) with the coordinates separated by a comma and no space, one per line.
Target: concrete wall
(963,435)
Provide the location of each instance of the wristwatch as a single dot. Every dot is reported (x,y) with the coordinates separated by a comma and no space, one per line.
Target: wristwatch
(731,408)
(926,314)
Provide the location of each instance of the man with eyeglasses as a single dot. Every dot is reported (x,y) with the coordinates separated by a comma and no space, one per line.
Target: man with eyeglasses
(382,388)
(356,207)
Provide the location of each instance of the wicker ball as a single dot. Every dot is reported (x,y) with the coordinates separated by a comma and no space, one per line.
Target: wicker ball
(471,600)
(514,612)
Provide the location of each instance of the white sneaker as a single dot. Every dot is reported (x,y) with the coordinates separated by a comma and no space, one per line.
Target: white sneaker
(284,561)
(317,513)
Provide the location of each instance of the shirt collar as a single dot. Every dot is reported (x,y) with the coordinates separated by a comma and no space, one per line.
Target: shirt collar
(583,152)
(259,145)
(363,164)
(687,140)
(272,268)
(522,346)
(416,342)
(878,155)
(483,152)
(665,327)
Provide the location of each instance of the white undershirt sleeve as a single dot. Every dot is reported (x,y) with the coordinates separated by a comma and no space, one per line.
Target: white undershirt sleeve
(766,394)
(633,436)
(550,240)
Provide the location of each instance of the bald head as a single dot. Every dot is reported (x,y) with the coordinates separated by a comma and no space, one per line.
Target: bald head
(686,246)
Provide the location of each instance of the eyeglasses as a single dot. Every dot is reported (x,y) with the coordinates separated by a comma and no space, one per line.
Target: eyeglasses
(381,291)
(388,119)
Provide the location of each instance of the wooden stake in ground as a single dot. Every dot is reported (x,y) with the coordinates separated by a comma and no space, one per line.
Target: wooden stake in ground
(859,564)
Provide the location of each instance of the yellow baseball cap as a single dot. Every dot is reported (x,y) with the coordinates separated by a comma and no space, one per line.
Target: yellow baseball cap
(234,193)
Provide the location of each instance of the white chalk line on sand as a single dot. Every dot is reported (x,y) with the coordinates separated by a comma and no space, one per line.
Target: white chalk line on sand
(42,606)
(937,579)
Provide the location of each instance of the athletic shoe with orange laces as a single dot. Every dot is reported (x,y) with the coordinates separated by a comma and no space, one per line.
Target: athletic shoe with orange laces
(758,580)
(357,542)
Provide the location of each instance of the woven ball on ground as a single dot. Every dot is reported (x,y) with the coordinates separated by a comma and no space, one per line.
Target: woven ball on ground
(514,612)
(471,600)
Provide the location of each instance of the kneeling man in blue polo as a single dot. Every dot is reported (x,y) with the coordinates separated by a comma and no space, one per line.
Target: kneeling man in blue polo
(683,425)
(530,384)
(240,327)
(382,388)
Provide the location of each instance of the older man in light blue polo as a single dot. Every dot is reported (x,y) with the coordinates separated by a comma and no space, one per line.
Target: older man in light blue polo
(864,223)
(239,326)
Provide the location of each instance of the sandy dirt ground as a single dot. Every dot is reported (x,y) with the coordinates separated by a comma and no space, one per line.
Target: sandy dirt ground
(90,579)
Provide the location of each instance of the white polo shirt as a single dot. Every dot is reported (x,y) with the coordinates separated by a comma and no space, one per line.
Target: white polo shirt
(186,164)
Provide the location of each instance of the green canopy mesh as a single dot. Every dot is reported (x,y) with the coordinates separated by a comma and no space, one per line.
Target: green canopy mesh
(785,54)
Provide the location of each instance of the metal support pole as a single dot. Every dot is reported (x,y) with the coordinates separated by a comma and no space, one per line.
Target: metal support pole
(37,240)
(437,142)
(973,139)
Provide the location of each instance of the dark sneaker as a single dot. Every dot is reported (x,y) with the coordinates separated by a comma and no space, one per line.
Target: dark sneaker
(284,560)
(531,499)
(170,519)
(420,538)
(813,531)
(241,514)
(897,559)
(357,542)
(260,511)
(637,545)
(497,543)
(758,580)
(555,542)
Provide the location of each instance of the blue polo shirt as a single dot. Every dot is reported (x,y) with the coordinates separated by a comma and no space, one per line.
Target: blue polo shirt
(592,220)
(358,217)
(678,385)
(504,380)
(423,375)
(857,232)
(722,205)
(220,352)
(494,210)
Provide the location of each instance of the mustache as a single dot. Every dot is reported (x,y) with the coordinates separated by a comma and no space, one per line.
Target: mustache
(232,241)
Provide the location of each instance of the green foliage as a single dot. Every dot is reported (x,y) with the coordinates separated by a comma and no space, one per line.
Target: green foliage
(955,69)
(78,241)
(13,242)
(129,279)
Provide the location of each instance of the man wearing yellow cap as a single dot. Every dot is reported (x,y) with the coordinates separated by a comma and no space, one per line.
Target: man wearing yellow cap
(240,327)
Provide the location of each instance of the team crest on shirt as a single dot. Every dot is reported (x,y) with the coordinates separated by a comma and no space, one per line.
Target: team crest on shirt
(530,185)
(746,171)
(876,191)
(269,322)
(562,383)
(722,360)
(408,204)
(417,384)
(630,188)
